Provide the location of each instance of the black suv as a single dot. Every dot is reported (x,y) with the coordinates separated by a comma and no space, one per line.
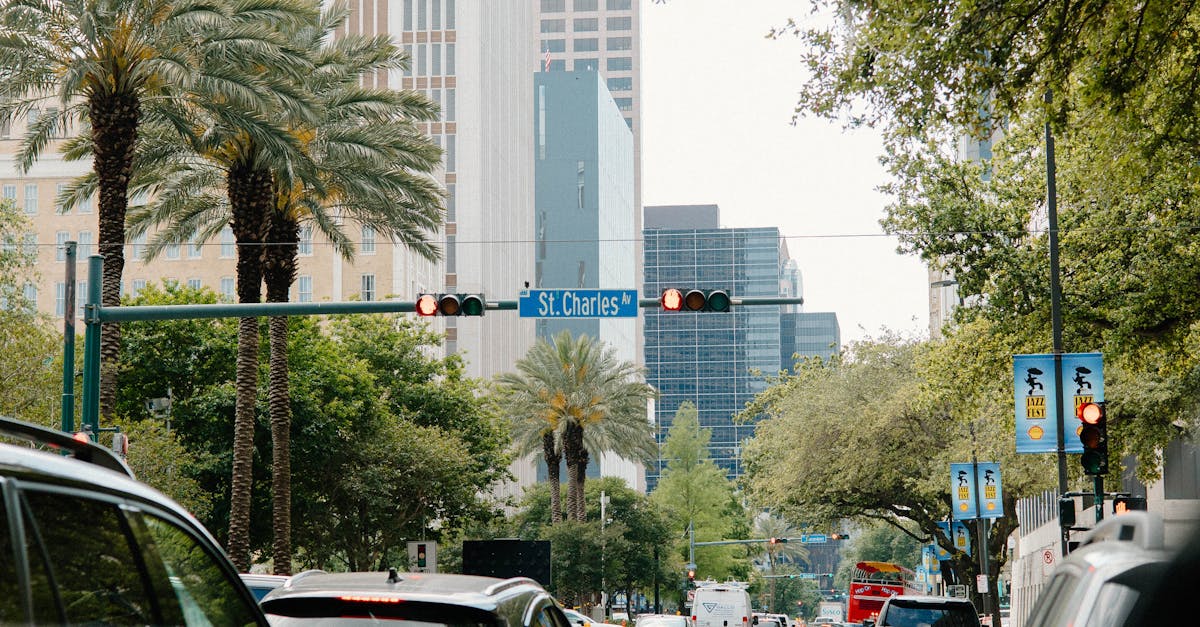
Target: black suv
(917,611)
(432,600)
(86,543)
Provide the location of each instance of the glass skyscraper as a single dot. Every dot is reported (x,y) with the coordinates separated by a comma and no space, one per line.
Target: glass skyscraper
(718,361)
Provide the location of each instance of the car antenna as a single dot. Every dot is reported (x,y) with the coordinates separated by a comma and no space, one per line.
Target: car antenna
(393,576)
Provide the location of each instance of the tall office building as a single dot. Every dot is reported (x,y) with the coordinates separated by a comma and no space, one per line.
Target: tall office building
(584,203)
(602,36)
(719,361)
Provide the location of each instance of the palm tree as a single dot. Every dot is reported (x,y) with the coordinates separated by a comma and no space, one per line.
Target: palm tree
(363,159)
(578,390)
(105,65)
(535,427)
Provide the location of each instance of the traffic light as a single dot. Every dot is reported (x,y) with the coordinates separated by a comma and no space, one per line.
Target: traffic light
(422,562)
(1066,511)
(691,578)
(674,299)
(450,305)
(1094,436)
(839,536)
(777,541)
(1123,504)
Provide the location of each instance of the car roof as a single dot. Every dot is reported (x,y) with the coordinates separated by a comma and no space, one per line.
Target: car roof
(484,593)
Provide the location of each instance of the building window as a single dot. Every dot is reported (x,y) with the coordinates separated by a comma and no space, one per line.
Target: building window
(30,294)
(408,67)
(586,24)
(85,204)
(31,198)
(579,185)
(228,289)
(554,45)
(620,84)
(139,247)
(590,44)
(368,287)
(304,289)
(620,23)
(450,15)
(408,11)
(31,245)
(618,5)
(557,65)
(585,5)
(451,154)
(193,249)
(435,55)
(451,254)
(60,298)
(449,59)
(58,192)
(620,64)
(554,6)
(554,26)
(450,104)
(85,244)
(620,43)
(437,14)
(31,117)
(450,206)
(194,283)
(55,129)
(629,123)
(591,64)
(60,245)
(368,239)
(228,243)
(173,250)
(582,274)
(422,53)
(422,14)
(305,246)
(138,286)
(624,104)
(10,193)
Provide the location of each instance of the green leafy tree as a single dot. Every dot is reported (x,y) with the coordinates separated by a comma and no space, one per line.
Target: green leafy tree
(577,390)
(30,363)
(574,560)
(695,492)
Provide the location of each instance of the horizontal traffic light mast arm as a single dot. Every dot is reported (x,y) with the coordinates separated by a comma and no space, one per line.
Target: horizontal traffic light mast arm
(797,540)
(254,310)
(743,301)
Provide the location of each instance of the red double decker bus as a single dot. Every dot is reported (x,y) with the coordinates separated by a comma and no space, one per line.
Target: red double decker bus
(873,583)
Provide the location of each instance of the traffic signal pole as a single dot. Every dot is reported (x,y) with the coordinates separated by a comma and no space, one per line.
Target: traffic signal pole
(1056,308)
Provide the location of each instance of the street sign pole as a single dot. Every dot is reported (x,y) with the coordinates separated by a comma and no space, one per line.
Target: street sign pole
(982,549)
(1055,305)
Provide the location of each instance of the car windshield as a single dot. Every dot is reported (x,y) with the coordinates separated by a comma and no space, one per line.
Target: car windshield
(294,611)
(949,615)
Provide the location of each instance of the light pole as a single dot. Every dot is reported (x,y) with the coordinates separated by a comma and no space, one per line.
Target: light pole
(603,544)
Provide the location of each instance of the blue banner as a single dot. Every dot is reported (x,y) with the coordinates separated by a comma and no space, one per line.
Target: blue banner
(962,492)
(1083,382)
(958,535)
(991,496)
(1036,411)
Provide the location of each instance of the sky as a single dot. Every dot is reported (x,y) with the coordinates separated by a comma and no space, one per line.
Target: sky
(717,103)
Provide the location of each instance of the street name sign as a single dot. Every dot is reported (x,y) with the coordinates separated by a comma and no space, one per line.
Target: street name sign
(578,303)
(814,538)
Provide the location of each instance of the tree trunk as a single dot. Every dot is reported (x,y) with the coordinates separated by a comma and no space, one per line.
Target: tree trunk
(577,460)
(553,458)
(250,197)
(279,270)
(114,120)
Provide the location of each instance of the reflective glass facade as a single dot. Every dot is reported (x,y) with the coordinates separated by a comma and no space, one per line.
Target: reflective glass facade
(715,360)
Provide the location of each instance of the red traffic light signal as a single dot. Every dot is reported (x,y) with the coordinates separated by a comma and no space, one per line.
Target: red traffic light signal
(691,575)
(674,299)
(450,305)
(1094,437)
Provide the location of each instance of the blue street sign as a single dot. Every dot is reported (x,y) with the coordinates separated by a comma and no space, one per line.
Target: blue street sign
(578,303)
(814,538)
(807,575)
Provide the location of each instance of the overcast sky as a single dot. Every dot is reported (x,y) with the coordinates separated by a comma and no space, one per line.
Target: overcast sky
(717,102)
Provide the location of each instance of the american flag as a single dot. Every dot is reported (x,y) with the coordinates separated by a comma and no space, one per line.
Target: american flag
(546,64)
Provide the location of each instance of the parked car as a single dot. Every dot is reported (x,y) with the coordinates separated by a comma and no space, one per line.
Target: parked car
(261,584)
(320,598)
(922,611)
(86,543)
(1102,580)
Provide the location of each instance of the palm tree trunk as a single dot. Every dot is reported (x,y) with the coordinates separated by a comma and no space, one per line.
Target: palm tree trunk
(553,458)
(577,459)
(279,270)
(114,120)
(247,190)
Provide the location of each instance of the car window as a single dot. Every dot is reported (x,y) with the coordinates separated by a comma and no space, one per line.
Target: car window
(10,587)
(929,615)
(1113,604)
(84,565)
(1053,603)
(201,588)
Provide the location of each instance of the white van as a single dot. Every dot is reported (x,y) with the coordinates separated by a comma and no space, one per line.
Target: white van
(721,605)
